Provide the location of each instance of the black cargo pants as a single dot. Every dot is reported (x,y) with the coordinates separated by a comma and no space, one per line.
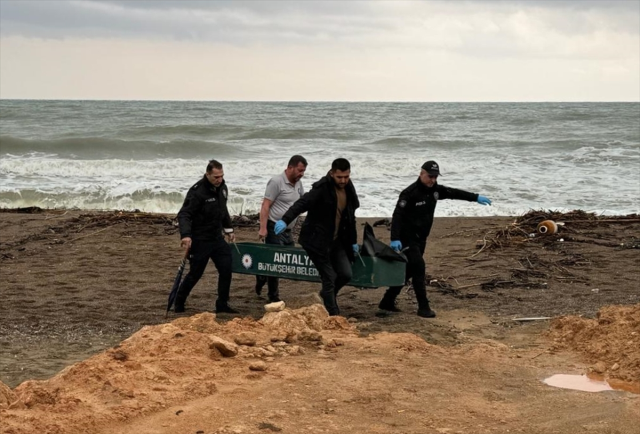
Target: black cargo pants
(201,251)
(416,272)
(335,272)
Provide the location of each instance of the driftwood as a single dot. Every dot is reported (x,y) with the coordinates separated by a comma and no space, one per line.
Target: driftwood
(25,210)
(246,220)
(383,222)
(92,233)
(523,230)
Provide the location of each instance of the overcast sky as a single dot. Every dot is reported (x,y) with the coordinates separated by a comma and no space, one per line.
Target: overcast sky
(480,50)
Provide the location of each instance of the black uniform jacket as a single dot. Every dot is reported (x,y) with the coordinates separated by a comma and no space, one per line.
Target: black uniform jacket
(204,212)
(413,216)
(318,228)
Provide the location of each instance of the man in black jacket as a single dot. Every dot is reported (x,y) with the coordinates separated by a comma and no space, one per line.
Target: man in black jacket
(202,219)
(328,234)
(410,227)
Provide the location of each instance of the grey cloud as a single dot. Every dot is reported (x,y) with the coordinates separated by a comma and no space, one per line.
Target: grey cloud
(232,22)
(341,7)
(295,22)
(263,7)
(629,5)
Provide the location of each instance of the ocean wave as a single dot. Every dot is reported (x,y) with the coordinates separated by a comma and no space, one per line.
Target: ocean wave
(221,131)
(295,134)
(392,141)
(99,147)
(96,154)
(144,200)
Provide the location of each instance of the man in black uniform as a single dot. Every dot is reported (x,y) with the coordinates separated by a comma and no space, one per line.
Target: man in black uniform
(202,219)
(410,227)
(328,234)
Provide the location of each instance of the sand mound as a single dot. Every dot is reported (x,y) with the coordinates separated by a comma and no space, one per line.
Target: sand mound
(297,371)
(164,364)
(611,341)
(7,397)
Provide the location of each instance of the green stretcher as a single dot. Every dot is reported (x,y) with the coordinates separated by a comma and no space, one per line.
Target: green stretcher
(294,264)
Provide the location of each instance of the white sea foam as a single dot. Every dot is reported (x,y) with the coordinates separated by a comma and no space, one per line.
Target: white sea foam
(520,156)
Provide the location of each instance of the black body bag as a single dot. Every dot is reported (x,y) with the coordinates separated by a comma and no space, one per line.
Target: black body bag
(371,246)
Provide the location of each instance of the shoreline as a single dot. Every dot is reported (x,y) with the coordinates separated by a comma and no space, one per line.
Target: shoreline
(40,210)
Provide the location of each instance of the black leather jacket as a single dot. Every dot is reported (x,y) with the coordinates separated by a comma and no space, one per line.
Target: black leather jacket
(413,215)
(204,213)
(320,204)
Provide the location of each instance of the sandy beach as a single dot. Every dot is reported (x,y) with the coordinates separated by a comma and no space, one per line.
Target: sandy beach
(85,345)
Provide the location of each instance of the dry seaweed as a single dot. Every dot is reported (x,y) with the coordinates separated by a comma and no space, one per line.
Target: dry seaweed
(246,220)
(575,228)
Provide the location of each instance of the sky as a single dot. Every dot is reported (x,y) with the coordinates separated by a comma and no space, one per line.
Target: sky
(477,50)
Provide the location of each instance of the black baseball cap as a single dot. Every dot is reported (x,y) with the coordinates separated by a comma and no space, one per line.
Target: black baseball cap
(431,167)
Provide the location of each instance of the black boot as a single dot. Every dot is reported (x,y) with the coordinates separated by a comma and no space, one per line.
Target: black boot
(330,303)
(425,311)
(260,282)
(178,304)
(225,308)
(388,304)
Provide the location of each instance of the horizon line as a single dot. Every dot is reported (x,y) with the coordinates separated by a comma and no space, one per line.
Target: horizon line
(320,101)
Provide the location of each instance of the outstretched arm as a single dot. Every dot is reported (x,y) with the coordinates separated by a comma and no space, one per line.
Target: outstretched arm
(454,193)
(301,205)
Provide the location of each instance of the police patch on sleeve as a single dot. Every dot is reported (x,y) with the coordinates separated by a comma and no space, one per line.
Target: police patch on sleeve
(224,193)
(436,195)
(402,203)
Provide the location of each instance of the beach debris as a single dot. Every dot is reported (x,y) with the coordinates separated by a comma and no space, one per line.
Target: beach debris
(547,227)
(269,426)
(247,220)
(274,307)
(25,210)
(384,222)
(576,228)
(533,318)
(446,288)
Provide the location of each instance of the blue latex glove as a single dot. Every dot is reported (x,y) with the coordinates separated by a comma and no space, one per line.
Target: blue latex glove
(396,245)
(483,200)
(356,249)
(279,227)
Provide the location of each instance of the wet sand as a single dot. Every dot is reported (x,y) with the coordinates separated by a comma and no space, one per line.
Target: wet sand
(77,282)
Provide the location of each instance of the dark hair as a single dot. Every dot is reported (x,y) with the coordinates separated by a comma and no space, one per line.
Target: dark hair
(214,164)
(341,164)
(297,159)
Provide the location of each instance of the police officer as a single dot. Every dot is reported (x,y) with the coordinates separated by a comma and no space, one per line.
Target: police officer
(202,219)
(328,234)
(410,227)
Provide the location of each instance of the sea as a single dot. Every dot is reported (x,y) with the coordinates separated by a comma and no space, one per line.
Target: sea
(145,155)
